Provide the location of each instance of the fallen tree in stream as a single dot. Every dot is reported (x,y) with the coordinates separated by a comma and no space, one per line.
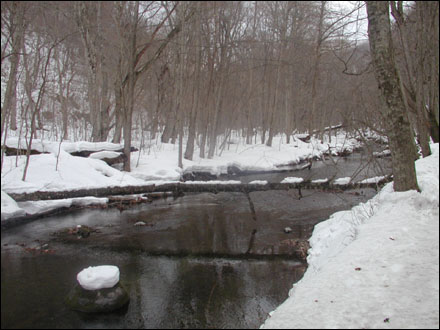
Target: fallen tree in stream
(180,188)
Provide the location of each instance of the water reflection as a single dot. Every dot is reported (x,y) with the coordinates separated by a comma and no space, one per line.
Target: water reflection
(165,292)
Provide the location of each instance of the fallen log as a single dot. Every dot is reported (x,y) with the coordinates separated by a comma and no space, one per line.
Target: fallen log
(180,188)
(11,151)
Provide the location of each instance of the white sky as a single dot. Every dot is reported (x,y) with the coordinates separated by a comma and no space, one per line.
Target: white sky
(361,24)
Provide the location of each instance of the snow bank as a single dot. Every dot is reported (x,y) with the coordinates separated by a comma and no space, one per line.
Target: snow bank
(59,170)
(375,266)
(159,160)
(67,146)
(38,207)
(71,173)
(9,207)
(99,277)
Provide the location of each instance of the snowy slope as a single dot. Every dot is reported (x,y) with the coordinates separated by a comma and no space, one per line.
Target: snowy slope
(376,266)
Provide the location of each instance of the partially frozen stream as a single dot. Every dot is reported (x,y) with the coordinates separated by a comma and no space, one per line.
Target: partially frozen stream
(201,261)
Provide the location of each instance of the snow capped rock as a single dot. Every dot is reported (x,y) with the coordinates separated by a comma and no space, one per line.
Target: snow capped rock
(287,230)
(99,277)
(292,179)
(262,182)
(320,180)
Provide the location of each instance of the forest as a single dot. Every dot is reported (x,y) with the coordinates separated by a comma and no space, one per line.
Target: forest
(201,71)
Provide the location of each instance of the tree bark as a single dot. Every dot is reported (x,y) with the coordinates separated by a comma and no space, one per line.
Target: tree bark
(399,132)
(195,92)
(129,97)
(17,28)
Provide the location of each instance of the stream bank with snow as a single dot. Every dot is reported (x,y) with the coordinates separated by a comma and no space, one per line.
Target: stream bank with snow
(59,171)
(375,266)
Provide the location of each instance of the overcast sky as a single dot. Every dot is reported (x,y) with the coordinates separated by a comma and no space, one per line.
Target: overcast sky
(361,24)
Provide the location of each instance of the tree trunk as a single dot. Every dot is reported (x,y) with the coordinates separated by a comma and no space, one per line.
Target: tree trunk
(421,79)
(399,132)
(216,118)
(195,92)
(129,97)
(119,120)
(317,60)
(17,27)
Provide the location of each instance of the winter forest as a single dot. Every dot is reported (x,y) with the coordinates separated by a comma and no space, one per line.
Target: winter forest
(294,111)
(200,72)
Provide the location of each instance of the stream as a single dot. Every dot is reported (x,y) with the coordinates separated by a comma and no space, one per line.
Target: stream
(198,261)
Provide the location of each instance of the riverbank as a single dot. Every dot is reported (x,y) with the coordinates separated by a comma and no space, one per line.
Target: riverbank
(58,170)
(375,266)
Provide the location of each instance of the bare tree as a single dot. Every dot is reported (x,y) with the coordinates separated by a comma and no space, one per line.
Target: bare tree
(89,19)
(16,29)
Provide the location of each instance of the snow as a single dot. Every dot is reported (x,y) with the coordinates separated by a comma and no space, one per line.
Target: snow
(292,179)
(10,208)
(98,277)
(212,182)
(58,170)
(44,206)
(375,266)
(159,160)
(376,179)
(287,230)
(261,182)
(104,154)
(382,153)
(71,173)
(67,146)
(320,180)
(343,181)
(37,207)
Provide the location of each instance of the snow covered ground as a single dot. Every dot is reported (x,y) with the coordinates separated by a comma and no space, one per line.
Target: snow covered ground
(375,266)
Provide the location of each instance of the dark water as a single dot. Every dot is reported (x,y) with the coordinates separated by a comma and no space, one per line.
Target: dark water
(165,292)
(201,261)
